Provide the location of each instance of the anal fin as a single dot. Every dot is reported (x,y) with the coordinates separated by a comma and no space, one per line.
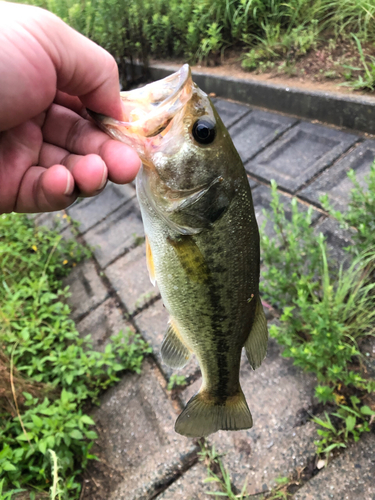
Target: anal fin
(174,353)
(256,343)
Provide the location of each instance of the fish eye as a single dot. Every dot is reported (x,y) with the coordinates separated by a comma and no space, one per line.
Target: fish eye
(204,131)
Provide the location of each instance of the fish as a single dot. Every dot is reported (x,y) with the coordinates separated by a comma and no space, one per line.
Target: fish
(202,243)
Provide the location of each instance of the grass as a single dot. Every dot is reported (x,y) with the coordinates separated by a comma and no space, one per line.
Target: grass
(49,374)
(326,310)
(264,31)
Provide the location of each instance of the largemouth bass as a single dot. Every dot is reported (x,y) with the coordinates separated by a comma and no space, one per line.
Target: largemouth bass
(202,243)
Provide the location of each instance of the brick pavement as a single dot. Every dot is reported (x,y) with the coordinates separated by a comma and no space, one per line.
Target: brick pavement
(140,452)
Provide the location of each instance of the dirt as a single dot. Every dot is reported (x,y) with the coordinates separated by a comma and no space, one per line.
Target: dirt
(326,69)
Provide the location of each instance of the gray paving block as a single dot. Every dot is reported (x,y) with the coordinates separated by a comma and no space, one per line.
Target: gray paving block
(230,112)
(90,211)
(130,278)
(56,221)
(191,486)
(253,183)
(351,476)
(367,348)
(335,181)
(256,130)
(102,323)
(117,233)
(137,438)
(86,288)
(276,393)
(152,323)
(300,154)
(262,201)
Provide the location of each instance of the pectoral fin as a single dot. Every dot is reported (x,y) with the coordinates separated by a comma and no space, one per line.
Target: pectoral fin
(174,353)
(256,343)
(150,263)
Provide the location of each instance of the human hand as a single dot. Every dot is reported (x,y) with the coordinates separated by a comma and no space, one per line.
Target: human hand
(50,152)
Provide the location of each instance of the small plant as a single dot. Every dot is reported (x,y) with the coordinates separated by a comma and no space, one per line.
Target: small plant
(217,473)
(352,420)
(367,81)
(48,371)
(292,257)
(360,213)
(176,381)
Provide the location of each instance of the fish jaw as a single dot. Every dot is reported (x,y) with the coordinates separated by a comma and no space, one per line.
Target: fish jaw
(148,113)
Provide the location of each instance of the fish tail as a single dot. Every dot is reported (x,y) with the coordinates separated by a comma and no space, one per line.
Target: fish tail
(203,415)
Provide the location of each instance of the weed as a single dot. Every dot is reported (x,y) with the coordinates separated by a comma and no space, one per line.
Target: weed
(360,213)
(176,381)
(324,312)
(52,371)
(218,474)
(367,81)
(352,422)
(205,28)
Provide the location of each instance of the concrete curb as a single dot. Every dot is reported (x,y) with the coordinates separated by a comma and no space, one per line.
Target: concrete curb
(355,113)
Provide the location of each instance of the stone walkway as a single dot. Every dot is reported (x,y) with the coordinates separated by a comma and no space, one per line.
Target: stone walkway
(141,455)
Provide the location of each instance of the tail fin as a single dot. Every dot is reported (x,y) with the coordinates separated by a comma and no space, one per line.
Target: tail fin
(202,416)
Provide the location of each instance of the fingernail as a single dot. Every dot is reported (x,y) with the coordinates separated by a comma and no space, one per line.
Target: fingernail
(69,184)
(104,177)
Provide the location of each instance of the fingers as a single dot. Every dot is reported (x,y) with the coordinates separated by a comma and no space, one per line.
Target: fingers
(89,172)
(45,190)
(39,54)
(66,130)
(83,68)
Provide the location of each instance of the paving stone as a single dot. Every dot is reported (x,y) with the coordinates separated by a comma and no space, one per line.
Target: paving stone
(102,323)
(349,477)
(253,183)
(117,233)
(137,438)
(335,181)
(90,211)
(277,394)
(56,221)
(129,277)
(152,323)
(256,130)
(262,201)
(300,154)
(367,348)
(191,486)
(230,112)
(86,288)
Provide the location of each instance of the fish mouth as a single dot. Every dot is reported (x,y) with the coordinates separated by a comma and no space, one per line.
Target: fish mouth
(148,111)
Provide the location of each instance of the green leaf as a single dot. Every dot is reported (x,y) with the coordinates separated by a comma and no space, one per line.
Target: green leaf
(43,446)
(7,466)
(76,434)
(350,422)
(37,421)
(366,410)
(87,420)
(25,437)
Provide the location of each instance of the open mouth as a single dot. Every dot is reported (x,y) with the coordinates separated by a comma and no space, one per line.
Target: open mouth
(148,111)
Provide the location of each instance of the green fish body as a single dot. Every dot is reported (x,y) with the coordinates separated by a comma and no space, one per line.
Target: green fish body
(202,244)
